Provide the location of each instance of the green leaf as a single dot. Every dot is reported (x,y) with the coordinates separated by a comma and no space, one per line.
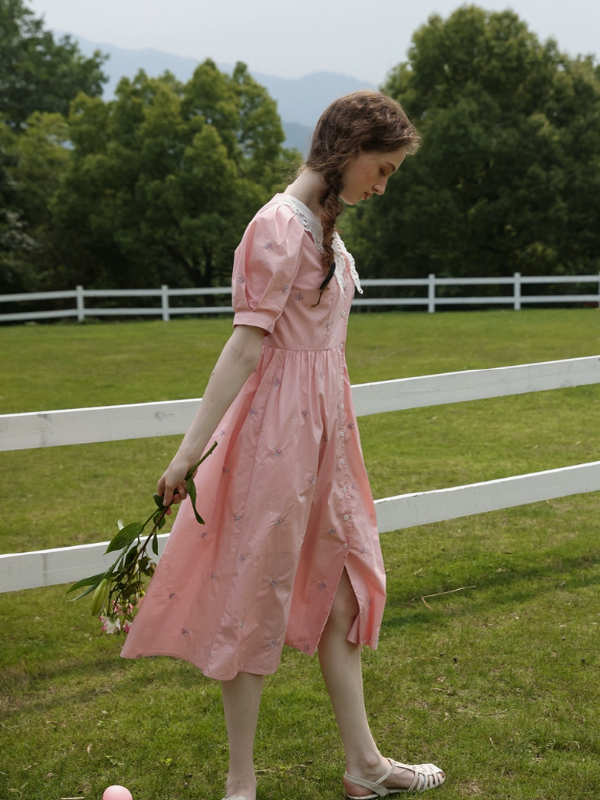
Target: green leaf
(93,581)
(125,536)
(191,490)
(83,594)
(155,543)
(161,523)
(159,500)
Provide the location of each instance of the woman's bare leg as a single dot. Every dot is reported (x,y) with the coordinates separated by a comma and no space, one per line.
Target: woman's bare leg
(342,671)
(241,702)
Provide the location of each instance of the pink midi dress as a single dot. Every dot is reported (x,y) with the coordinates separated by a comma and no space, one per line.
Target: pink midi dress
(285,494)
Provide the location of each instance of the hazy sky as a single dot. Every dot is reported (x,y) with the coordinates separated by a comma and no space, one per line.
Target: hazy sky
(291,39)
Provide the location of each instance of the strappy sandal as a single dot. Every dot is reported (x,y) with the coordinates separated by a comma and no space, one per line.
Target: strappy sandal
(427,776)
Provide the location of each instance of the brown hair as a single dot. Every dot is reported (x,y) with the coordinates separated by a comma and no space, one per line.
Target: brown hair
(364,121)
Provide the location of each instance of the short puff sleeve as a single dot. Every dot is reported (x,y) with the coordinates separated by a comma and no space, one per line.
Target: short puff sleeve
(265,267)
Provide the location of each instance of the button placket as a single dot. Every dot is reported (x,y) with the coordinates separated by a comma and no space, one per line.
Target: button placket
(346,505)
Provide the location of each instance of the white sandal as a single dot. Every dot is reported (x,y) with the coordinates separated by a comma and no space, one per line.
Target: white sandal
(427,776)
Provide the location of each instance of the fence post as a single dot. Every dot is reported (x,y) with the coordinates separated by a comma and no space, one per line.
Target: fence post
(431,294)
(165,302)
(517,292)
(80,304)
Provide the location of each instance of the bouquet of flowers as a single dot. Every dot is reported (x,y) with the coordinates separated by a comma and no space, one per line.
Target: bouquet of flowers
(119,591)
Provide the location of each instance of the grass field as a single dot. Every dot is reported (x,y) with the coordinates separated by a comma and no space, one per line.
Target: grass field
(497,684)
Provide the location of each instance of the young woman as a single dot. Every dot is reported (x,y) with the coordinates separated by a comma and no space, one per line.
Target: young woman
(290,551)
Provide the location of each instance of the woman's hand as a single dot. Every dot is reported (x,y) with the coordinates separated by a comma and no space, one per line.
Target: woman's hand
(171,486)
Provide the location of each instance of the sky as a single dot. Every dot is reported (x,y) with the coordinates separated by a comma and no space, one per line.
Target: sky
(292,39)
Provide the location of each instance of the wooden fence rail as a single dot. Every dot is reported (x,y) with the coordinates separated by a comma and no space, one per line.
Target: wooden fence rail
(111,423)
(165,310)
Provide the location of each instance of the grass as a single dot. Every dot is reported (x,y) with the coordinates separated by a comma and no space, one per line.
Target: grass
(497,684)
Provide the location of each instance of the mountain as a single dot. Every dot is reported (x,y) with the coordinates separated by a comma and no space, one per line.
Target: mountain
(300,101)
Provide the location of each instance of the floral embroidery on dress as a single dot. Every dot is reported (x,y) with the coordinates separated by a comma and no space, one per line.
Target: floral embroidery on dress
(351,426)
(226,470)
(223,432)
(273,642)
(322,585)
(241,279)
(324,439)
(204,534)
(275,581)
(353,484)
(237,518)
(305,413)
(299,296)
(268,245)
(171,595)
(276,382)
(370,601)
(278,520)
(285,289)
(241,559)
(241,623)
(277,452)
(184,631)
(213,576)
(313,480)
(253,412)
(321,374)
(364,550)
(331,531)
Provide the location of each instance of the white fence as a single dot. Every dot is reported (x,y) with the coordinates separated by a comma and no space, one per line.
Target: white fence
(517,299)
(111,423)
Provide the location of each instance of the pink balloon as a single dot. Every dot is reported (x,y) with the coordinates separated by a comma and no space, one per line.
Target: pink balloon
(117,793)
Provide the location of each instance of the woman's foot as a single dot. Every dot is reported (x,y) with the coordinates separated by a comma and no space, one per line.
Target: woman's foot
(240,788)
(400,778)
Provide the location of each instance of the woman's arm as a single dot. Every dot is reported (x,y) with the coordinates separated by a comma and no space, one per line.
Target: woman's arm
(236,363)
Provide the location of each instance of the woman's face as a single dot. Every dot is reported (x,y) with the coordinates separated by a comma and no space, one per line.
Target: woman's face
(368,174)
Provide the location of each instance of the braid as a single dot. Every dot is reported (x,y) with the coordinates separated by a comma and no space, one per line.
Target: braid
(365,121)
(331,209)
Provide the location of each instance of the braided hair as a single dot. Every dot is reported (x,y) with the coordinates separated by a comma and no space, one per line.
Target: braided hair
(364,121)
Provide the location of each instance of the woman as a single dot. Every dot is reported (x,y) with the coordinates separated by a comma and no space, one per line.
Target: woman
(290,551)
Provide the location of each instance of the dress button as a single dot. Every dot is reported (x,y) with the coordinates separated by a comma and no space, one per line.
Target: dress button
(345,546)
(345,489)
(346,516)
(342,405)
(343,313)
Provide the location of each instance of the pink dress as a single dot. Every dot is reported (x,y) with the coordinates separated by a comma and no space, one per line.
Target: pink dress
(285,494)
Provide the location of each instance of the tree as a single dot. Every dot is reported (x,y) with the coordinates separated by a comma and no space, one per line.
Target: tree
(38,73)
(163,180)
(508,176)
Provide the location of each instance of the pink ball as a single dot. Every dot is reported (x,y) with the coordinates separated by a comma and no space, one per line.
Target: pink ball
(117,793)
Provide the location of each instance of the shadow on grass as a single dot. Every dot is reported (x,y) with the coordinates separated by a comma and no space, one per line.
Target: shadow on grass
(518,584)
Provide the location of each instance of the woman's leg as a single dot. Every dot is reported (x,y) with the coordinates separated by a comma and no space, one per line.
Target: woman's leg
(342,671)
(241,701)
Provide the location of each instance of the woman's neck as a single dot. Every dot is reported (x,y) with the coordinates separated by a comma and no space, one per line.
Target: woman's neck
(306,188)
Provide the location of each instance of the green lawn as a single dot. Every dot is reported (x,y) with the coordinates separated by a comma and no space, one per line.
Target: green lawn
(497,684)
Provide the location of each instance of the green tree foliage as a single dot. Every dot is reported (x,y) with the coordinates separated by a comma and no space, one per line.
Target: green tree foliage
(163,179)
(32,164)
(38,73)
(508,176)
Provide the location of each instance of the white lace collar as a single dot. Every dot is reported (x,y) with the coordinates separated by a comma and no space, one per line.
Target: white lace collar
(313,225)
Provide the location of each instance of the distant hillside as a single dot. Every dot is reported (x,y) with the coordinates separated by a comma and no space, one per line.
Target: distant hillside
(297,136)
(300,101)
